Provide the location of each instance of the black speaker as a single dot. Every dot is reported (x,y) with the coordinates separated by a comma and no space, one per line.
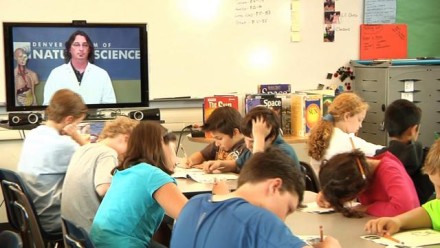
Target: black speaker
(145,114)
(19,119)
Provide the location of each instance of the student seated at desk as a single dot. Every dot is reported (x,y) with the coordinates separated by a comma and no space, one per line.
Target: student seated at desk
(335,131)
(46,153)
(381,185)
(402,122)
(270,187)
(261,129)
(141,191)
(88,176)
(224,124)
(426,216)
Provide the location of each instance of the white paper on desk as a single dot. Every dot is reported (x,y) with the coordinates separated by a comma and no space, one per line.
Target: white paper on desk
(312,207)
(180,172)
(310,239)
(210,178)
(411,238)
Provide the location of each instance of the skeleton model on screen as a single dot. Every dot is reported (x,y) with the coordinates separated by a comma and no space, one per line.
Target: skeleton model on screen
(25,80)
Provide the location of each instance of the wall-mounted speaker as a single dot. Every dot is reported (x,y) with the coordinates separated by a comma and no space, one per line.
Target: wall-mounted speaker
(145,114)
(19,119)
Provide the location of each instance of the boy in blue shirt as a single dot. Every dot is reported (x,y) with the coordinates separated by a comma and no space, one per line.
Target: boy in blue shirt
(270,187)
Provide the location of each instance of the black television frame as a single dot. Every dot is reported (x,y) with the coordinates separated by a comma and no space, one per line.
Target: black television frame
(9,62)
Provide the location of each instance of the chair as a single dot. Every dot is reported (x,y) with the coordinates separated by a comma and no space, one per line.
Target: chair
(312,182)
(10,239)
(22,214)
(75,236)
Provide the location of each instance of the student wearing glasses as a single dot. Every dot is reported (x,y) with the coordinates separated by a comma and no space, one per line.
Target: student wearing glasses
(80,74)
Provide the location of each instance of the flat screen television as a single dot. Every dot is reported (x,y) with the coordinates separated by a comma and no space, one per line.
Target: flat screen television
(120,49)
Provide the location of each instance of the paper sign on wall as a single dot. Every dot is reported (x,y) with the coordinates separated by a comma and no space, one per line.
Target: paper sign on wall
(383,41)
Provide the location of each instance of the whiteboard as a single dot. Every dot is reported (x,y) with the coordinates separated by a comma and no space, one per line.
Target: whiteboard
(204,47)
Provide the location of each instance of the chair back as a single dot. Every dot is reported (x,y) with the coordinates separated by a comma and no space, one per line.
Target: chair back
(75,236)
(10,239)
(312,181)
(21,212)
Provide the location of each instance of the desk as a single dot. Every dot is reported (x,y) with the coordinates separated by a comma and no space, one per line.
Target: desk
(346,230)
(191,188)
(288,138)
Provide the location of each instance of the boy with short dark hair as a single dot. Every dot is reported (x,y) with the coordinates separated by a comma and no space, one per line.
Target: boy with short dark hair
(402,122)
(261,128)
(224,124)
(269,189)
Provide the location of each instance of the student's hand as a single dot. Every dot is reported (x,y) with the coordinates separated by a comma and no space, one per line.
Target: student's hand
(329,242)
(213,166)
(70,130)
(185,163)
(384,225)
(260,129)
(321,201)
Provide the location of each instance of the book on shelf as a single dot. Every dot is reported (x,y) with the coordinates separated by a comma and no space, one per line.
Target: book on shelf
(306,111)
(270,101)
(274,88)
(327,98)
(212,102)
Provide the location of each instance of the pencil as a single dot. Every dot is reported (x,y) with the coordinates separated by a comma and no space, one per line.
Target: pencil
(321,233)
(387,236)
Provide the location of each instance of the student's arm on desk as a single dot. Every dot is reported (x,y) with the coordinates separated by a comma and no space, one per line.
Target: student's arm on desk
(195,159)
(413,219)
(219,166)
(170,199)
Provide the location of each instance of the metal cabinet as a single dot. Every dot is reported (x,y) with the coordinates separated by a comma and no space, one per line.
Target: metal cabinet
(380,84)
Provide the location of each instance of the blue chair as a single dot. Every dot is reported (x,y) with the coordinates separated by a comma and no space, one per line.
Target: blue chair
(21,212)
(10,239)
(75,236)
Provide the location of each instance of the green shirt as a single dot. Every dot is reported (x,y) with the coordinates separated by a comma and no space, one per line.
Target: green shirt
(433,209)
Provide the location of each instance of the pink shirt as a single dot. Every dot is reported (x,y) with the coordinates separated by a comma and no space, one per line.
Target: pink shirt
(391,191)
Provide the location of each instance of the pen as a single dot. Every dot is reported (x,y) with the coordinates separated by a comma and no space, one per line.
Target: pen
(321,233)
(188,162)
(387,236)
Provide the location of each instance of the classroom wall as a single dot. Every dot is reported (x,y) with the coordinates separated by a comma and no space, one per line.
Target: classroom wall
(203,47)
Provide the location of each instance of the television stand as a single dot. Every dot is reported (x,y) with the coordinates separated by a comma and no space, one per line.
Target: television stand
(98,117)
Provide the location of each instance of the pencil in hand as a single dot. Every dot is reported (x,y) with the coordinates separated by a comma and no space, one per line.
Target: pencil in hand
(321,233)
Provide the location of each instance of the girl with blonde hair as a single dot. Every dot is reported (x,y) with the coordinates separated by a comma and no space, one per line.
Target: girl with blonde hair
(335,132)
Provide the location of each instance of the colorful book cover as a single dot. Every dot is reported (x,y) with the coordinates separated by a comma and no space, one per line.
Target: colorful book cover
(270,101)
(267,100)
(212,102)
(274,88)
(326,101)
(305,113)
(313,111)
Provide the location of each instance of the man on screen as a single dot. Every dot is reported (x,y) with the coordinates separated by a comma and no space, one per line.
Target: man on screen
(80,74)
(25,80)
